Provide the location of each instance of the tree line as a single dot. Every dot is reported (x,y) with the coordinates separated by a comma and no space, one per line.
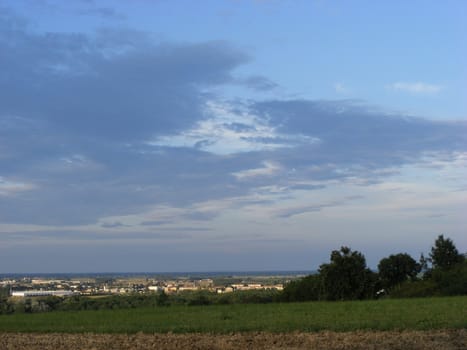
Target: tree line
(347,277)
(135,300)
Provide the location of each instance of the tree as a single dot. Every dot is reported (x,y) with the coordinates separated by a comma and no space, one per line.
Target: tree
(452,281)
(346,277)
(6,307)
(444,254)
(396,269)
(162,299)
(304,289)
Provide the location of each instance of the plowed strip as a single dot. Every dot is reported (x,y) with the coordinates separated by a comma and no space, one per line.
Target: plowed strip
(426,340)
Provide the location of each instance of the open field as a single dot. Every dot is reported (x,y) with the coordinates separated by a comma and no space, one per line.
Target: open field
(407,340)
(429,324)
(378,315)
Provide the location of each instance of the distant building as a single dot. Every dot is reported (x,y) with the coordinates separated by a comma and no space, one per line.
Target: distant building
(42,293)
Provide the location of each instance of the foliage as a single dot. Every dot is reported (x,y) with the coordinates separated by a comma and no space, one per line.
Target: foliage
(115,302)
(346,277)
(6,307)
(396,269)
(249,297)
(4,291)
(440,282)
(452,281)
(415,289)
(305,289)
(444,253)
(162,299)
(237,297)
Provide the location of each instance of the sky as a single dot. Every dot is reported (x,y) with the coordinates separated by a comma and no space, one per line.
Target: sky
(231,135)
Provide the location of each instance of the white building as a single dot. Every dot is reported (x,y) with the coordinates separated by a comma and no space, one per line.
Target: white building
(42,293)
(155,288)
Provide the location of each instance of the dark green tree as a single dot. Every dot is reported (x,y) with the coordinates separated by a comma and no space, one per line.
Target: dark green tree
(396,269)
(162,299)
(346,277)
(49,303)
(28,305)
(444,254)
(452,281)
(6,307)
(304,289)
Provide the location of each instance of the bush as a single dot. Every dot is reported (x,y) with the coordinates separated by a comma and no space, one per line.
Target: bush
(200,298)
(452,281)
(254,296)
(417,289)
(6,307)
(305,289)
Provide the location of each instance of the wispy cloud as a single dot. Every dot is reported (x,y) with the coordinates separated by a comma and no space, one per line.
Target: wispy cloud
(62,235)
(229,130)
(268,169)
(258,82)
(418,88)
(11,187)
(115,224)
(302,209)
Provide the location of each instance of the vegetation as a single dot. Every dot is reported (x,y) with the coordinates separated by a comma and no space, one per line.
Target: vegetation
(444,254)
(396,269)
(131,301)
(389,314)
(346,277)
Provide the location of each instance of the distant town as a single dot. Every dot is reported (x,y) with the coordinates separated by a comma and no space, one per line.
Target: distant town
(30,286)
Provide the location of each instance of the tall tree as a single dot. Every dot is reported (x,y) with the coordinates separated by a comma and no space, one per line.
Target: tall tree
(346,277)
(444,254)
(396,269)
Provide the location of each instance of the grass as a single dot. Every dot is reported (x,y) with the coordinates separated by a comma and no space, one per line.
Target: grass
(389,314)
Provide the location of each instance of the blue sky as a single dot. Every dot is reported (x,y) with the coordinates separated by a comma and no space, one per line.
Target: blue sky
(229,135)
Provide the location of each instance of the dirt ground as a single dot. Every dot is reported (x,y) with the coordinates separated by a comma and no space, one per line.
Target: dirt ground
(426,340)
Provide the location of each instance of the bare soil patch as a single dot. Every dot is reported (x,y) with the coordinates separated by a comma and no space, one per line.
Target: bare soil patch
(426,340)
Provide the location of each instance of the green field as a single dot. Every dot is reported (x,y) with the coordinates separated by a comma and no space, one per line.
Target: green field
(403,314)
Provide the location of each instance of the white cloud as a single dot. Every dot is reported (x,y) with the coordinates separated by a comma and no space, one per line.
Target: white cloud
(228,131)
(418,88)
(269,168)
